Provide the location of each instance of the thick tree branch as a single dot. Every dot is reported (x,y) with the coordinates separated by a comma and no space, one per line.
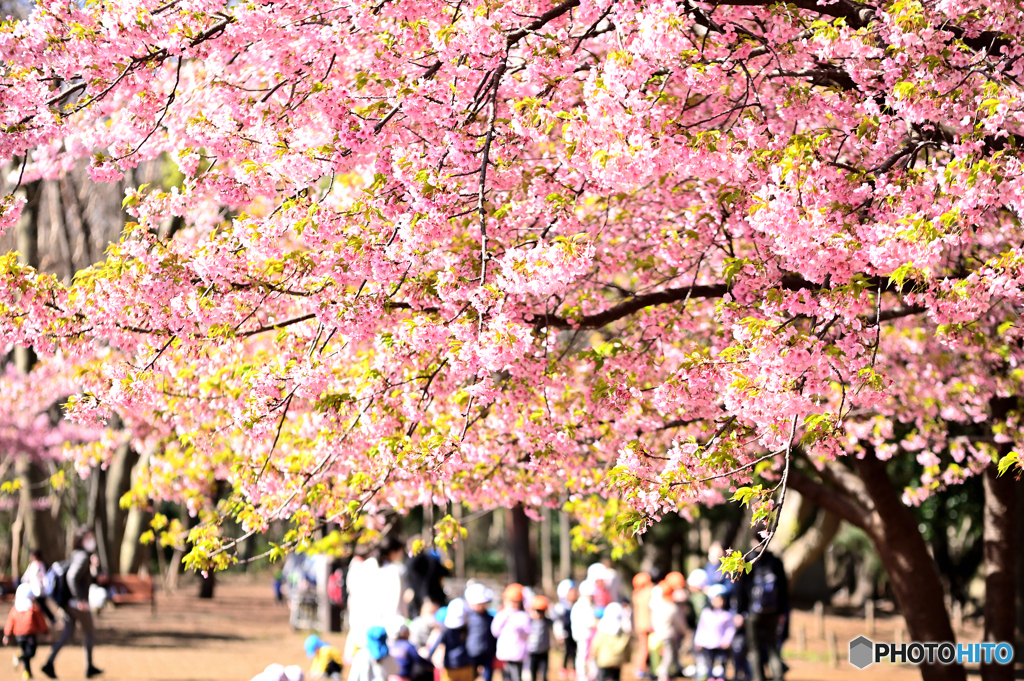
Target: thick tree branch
(830,499)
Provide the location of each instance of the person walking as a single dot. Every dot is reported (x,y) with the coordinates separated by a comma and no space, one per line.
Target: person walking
(76,611)
(762,602)
(25,622)
(611,646)
(481,643)
(35,576)
(538,644)
(457,664)
(511,628)
(642,588)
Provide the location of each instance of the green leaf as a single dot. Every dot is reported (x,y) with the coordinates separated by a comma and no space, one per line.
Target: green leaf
(1013,458)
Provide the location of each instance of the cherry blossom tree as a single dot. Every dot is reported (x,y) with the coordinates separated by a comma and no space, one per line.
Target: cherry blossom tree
(530,252)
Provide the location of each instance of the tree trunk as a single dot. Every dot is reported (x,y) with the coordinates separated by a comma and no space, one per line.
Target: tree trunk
(16,529)
(912,574)
(872,503)
(1019,531)
(97,515)
(1000,566)
(564,546)
(118,482)
(40,530)
(804,551)
(132,551)
(521,556)
(461,545)
(547,563)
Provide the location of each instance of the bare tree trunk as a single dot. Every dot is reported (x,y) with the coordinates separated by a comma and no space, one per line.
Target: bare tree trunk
(547,563)
(132,551)
(564,546)
(1019,513)
(521,557)
(118,482)
(16,530)
(1000,566)
(461,546)
(804,551)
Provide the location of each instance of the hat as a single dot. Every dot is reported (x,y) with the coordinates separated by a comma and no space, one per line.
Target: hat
(640,580)
(675,580)
(23,598)
(587,588)
(539,603)
(478,594)
(611,620)
(377,642)
(716,590)
(273,672)
(396,627)
(666,590)
(564,587)
(596,572)
(456,615)
(440,614)
(513,592)
(294,673)
(698,579)
(313,644)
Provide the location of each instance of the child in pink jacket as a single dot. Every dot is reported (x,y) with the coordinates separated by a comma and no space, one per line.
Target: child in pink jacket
(511,626)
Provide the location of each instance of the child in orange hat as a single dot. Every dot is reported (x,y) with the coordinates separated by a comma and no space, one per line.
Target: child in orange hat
(538,645)
(642,587)
(668,622)
(511,627)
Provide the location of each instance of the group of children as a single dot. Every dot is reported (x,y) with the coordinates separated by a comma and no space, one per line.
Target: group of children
(599,631)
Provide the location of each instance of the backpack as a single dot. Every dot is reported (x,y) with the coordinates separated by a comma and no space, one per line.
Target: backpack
(55,583)
(764,593)
(335,588)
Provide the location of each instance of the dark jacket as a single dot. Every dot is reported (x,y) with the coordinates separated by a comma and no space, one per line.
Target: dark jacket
(540,636)
(79,575)
(767,565)
(455,653)
(481,643)
(410,664)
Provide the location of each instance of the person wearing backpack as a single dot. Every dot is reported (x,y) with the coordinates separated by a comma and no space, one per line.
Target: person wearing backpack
(72,596)
(761,605)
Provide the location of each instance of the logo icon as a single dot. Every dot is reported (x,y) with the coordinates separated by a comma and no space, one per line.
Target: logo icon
(861,652)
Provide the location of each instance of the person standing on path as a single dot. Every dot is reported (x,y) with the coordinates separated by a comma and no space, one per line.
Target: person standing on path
(761,605)
(511,628)
(76,611)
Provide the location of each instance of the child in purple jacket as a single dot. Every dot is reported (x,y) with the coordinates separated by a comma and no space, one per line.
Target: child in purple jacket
(714,635)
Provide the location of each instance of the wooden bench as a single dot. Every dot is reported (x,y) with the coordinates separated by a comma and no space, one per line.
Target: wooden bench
(130,589)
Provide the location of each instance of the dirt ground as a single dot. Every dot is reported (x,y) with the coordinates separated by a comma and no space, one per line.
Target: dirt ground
(242,630)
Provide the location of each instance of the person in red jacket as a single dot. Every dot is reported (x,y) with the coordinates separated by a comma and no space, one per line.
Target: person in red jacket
(25,622)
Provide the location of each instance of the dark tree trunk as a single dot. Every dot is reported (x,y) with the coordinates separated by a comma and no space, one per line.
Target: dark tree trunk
(871,502)
(207,584)
(1000,566)
(912,574)
(521,559)
(1019,569)
(40,528)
